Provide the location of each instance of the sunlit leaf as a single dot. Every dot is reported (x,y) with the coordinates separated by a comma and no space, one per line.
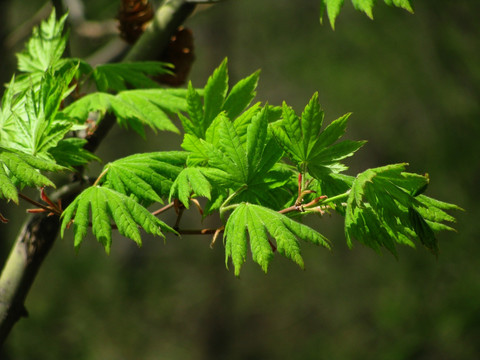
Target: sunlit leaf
(259,223)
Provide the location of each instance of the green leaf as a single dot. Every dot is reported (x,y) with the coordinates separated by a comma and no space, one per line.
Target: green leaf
(147,176)
(80,109)
(241,124)
(312,120)
(423,230)
(7,188)
(289,134)
(334,131)
(70,152)
(334,153)
(147,107)
(202,115)
(106,204)
(404,4)
(32,123)
(381,210)
(364,5)
(116,76)
(235,239)
(259,222)
(234,149)
(195,124)
(22,169)
(256,138)
(45,47)
(190,182)
(150,107)
(331,184)
(333,8)
(308,146)
(215,92)
(199,153)
(241,95)
(244,162)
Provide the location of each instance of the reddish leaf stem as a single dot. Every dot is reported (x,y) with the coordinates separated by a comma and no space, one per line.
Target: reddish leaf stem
(51,208)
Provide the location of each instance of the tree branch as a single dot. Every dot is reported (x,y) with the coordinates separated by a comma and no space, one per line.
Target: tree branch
(157,35)
(39,232)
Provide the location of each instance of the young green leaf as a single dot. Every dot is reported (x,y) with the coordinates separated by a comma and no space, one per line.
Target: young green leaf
(364,5)
(245,162)
(194,124)
(241,95)
(70,152)
(147,176)
(201,116)
(116,76)
(21,168)
(215,92)
(45,47)
(404,4)
(150,107)
(308,146)
(33,124)
(423,230)
(259,222)
(106,204)
(190,182)
(381,210)
(333,7)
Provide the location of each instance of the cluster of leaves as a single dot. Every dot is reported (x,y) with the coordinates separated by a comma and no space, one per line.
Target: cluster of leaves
(38,132)
(260,166)
(333,7)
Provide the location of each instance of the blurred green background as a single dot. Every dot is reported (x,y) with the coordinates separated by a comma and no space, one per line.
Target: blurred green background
(413,85)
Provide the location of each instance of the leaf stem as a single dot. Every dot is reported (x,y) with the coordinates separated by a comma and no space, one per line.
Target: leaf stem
(45,208)
(336,197)
(224,208)
(31,201)
(165,208)
(100,177)
(290,208)
(238,191)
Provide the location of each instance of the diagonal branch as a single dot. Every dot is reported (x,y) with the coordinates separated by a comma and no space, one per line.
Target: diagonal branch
(39,232)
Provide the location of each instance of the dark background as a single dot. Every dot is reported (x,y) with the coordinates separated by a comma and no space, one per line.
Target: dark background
(413,85)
